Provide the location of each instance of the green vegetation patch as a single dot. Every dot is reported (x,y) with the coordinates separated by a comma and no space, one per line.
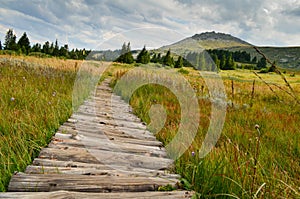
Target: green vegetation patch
(34,101)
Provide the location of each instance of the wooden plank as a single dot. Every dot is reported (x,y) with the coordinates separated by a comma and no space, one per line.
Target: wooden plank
(112,115)
(71,164)
(32,169)
(106,157)
(110,145)
(129,195)
(55,182)
(98,134)
(84,116)
(114,131)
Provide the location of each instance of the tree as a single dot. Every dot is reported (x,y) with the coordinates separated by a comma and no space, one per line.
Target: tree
(168,60)
(124,49)
(10,41)
(262,63)
(56,49)
(127,56)
(46,48)
(36,48)
(0,45)
(179,62)
(216,60)
(143,57)
(24,43)
(229,64)
(154,58)
(222,62)
(63,51)
(254,60)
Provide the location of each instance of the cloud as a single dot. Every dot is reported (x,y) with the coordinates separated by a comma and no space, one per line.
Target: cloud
(88,23)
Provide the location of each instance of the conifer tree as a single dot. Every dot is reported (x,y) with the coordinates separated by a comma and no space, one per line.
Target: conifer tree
(24,43)
(143,57)
(168,60)
(10,41)
(179,62)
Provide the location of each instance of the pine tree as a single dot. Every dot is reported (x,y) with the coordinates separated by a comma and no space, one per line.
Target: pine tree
(124,49)
(127,56)
(222,62)
(229,63)
(128,49)
(24,43)
(168,60)
(154,58)
(262,63)
(56,49)
(179,62)
(159,59)
(36,48)
(46,48)
(143,57)
(10,41)
(0,45)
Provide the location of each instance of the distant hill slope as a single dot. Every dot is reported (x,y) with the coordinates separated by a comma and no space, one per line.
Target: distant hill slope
(285,57)
(213,40)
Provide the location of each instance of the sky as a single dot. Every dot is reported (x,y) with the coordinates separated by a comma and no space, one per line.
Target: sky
(104,24)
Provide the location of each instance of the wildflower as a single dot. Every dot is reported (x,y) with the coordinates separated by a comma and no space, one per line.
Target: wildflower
(256,126)
(54,94)
(193,153)
(12,99)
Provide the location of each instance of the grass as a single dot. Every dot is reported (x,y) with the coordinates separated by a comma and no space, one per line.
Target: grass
(35,98)
(247,161)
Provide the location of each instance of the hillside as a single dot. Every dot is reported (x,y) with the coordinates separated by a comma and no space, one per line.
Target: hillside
(285,57)
(213,40)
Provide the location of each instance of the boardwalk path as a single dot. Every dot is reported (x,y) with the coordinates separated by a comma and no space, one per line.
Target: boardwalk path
(95,156)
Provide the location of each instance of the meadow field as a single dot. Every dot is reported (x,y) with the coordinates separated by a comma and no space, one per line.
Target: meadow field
(35,98)
(256,156)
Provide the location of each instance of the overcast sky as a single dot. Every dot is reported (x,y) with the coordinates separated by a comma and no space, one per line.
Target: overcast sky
(89,23)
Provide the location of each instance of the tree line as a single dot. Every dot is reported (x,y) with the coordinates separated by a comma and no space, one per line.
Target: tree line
(22,46)
(227,60)
(223,59)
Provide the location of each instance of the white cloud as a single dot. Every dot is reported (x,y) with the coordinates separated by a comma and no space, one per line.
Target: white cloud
(87,23)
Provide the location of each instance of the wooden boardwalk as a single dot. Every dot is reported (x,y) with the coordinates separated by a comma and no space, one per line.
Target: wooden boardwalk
(102,151)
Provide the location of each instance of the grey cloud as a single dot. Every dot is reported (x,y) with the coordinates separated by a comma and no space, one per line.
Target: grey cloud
(86,22)
(293,12)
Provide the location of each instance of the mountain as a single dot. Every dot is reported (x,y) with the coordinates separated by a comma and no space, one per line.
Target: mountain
(285,57)
(213,40)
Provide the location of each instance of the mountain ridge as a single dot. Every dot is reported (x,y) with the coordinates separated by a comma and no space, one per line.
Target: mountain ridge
(285,57)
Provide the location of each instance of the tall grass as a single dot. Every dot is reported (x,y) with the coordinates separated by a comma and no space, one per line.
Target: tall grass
(35,98)
(248,161)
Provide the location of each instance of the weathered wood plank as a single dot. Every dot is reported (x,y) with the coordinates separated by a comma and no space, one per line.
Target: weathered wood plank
(31,169)
(109,145)
(106,157)
(129,195)
(56,182)
(71,164)
(97,134)
(115,130)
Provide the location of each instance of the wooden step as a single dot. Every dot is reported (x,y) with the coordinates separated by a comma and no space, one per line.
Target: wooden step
(81,195)
(67,182)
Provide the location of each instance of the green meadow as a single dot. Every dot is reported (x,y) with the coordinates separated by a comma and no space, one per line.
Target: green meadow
(256,156)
